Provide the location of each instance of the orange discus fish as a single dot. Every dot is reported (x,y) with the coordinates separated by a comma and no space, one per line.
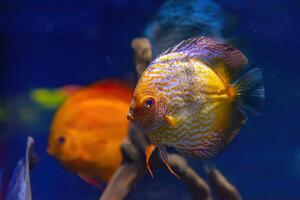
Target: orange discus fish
(88,129)
(192,98)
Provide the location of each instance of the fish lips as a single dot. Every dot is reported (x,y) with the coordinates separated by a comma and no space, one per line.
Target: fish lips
(140,123)
(132,117)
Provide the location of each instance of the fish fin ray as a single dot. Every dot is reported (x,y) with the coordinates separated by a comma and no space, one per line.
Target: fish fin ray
(149,150)
(188,110)
(164,156)
(192,109)
(250,91)
(212,52)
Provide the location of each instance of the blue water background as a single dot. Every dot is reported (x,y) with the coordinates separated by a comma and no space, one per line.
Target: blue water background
(52,43)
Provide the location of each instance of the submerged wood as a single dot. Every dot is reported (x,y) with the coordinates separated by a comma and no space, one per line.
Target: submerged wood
(133,166)
(143,53)
(198,188)
(221,187)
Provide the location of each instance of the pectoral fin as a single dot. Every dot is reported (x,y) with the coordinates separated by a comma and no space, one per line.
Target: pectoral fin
(180,115)
(171,121)
(185,112)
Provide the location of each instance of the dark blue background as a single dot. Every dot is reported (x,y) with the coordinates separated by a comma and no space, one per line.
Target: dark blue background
(51,43)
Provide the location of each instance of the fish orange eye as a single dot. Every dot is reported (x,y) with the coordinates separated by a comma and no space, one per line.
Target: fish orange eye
(61,140)
(149,102)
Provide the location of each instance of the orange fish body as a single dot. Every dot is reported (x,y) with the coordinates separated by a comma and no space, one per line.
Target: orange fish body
(88,129)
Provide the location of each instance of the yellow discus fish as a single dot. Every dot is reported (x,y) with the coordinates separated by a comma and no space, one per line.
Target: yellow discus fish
(192,98)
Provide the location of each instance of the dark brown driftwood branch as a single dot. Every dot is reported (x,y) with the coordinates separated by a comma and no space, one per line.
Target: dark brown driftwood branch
(196,185)
(133,166)
(143,53)
(221,187)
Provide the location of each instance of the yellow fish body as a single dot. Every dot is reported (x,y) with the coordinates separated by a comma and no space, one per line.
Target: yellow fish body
(187,98)
(88,129)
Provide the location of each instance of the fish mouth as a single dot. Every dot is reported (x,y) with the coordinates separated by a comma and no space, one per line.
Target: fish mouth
(130,116)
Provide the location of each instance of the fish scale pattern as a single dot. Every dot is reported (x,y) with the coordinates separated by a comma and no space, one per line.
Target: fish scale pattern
(184,81)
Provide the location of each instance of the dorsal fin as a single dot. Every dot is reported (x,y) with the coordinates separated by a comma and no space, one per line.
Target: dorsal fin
(212,52)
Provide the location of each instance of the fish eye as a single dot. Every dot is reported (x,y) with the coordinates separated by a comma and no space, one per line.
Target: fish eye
(61,140)
(149,102)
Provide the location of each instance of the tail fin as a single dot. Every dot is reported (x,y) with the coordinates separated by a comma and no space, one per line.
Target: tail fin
(250,91)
